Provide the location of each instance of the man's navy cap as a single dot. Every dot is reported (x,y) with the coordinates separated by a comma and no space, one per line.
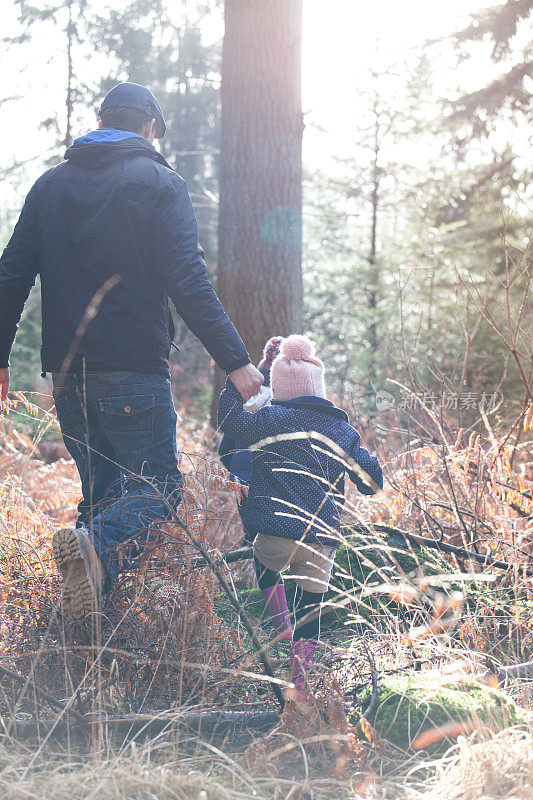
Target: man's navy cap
(133,95)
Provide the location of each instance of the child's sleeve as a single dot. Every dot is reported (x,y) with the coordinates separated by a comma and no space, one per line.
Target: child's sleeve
(243,426)
(367,462)
(226,449)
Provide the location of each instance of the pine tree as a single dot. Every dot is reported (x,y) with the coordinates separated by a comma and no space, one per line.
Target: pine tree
(259,265)
(508,28)
(70,16)
(431,224)
(356,223)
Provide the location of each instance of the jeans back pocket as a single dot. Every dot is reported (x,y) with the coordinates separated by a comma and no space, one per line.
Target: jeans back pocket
(128,421)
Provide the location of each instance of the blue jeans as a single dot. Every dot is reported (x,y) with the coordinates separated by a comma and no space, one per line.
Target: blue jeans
(120,429)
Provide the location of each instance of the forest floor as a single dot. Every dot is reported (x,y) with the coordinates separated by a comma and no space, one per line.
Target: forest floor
(170,699)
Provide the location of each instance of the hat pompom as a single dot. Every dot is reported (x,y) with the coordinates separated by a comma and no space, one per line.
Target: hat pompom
(271,348)
(297,348)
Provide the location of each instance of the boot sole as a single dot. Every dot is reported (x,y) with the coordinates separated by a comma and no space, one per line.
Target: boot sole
(81,599)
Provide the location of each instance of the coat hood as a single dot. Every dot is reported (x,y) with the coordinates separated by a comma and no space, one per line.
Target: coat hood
(313,403)
(101,147)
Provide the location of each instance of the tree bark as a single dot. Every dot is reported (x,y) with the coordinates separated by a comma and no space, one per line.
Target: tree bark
(70,31)
(259,233)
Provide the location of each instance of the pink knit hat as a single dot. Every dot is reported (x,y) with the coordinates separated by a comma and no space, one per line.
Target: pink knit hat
(296,372)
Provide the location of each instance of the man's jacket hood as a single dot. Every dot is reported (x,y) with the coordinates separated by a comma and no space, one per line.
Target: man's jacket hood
(104,146)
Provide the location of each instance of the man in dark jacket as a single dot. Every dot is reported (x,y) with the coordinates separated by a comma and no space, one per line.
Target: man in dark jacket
(112,234)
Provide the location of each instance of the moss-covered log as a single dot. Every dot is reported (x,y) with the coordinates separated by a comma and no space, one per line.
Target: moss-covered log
(407,706)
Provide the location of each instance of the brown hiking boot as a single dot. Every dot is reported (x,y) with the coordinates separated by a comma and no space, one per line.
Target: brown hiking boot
(83,576)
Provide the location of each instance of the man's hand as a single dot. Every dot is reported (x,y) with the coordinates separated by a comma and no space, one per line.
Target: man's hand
(4,383)
(247,380)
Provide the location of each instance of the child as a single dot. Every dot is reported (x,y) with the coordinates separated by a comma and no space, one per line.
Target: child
(296,494)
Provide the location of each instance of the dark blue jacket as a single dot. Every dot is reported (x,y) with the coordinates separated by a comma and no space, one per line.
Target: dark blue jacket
(297,483)
(236,458)
(113,210)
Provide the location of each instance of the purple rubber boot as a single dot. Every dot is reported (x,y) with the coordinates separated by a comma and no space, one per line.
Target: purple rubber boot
(276,603)
(302,654)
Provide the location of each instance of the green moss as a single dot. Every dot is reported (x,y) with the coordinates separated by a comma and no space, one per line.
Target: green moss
(389,552)
(408,705)
(251,599)
(367,562)
(362,563)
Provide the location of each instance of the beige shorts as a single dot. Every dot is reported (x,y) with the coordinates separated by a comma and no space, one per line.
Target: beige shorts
(309,565)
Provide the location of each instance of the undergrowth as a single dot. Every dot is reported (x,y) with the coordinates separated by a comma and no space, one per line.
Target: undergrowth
(170,641)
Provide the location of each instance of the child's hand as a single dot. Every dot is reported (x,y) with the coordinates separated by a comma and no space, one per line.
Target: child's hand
(247,380)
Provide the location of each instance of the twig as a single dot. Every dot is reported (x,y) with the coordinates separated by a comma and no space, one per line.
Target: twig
(374,678)
(42,692)
(90,313)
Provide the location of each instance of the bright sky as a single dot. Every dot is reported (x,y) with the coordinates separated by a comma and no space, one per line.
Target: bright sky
(339,47)
(342,38)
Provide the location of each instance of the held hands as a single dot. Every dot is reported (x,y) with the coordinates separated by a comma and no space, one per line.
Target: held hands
(4,384)
(247,380)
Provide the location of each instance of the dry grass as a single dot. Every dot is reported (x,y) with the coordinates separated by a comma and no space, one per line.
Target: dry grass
(163,645)
(499,768)
(141,774)
(159,773)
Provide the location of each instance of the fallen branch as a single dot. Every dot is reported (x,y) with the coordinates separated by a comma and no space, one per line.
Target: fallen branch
(229,558)
(524,670)
(214,723)
(434,544)
(503,674)
(421,541)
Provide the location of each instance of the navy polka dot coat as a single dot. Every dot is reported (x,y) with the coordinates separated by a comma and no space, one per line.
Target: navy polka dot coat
(305,447)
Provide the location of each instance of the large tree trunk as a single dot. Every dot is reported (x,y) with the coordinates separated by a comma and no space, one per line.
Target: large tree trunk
(260,250)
